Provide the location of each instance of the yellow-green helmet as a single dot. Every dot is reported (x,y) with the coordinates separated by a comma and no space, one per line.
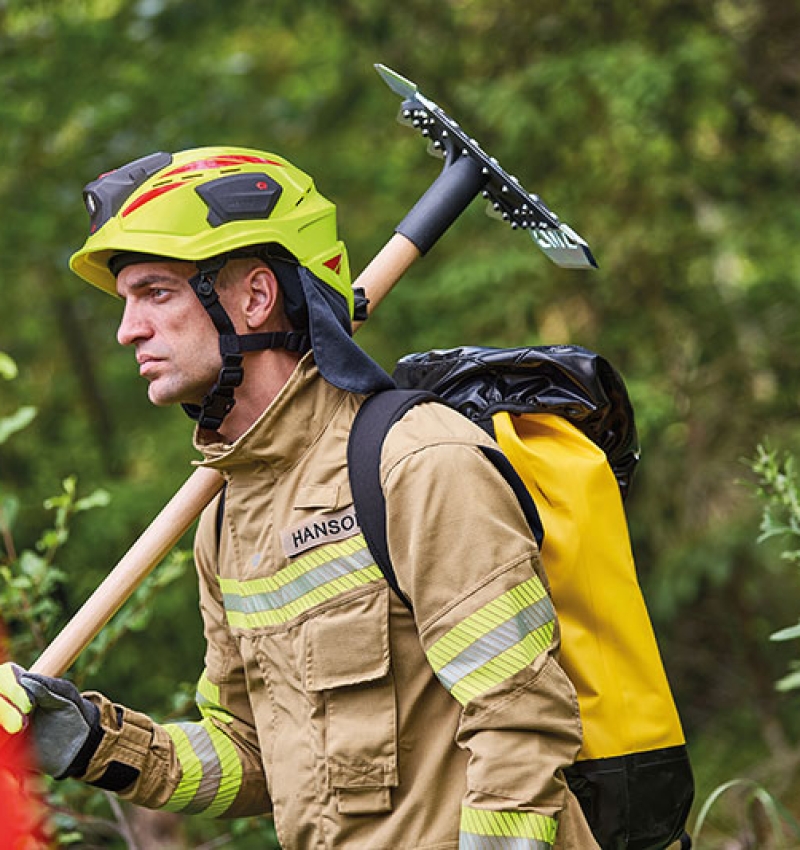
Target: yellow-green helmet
(208,202)
(209,205)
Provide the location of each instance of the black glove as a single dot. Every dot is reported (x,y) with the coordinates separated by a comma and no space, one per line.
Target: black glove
(65,727)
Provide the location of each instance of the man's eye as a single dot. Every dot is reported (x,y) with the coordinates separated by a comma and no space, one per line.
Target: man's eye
(157,293)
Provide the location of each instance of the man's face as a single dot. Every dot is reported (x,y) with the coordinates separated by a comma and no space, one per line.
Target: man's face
(177,346)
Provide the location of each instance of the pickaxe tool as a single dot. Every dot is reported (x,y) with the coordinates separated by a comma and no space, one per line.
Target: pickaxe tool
(468,171)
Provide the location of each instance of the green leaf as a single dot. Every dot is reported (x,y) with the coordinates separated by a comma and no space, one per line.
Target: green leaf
(8,368)
(16,422)
(9,510)
(30,563)
(98,499)
(790,682)
(789,633)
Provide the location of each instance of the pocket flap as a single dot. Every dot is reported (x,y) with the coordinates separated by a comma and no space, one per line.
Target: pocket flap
(349,644)
(313,496)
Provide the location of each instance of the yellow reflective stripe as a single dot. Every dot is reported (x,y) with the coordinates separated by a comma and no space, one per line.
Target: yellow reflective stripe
(207,691)
(311,580)
(503,666)
(315,597)
(508,825)
(493,614)
(191,770)
(295,570)
(496,642)
(211,771)
(208,700)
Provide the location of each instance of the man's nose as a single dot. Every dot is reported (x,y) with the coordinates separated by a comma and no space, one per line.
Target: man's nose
(132,326)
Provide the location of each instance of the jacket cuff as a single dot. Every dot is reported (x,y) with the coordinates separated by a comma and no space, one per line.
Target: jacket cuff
(126,738)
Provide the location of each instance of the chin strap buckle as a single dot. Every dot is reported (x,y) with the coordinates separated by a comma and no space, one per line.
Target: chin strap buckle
(360,304)
(219,400)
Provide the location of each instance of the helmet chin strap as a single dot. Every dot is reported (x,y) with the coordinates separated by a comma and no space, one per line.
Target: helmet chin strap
(219,400)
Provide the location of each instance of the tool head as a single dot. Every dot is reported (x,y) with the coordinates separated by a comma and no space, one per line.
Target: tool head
(507,198)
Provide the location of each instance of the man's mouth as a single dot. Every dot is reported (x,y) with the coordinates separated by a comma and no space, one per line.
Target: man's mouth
(147,364)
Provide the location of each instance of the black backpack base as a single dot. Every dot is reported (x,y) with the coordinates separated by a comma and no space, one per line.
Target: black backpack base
(639,801)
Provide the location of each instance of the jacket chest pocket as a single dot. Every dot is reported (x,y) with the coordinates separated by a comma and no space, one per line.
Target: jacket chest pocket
(348,665)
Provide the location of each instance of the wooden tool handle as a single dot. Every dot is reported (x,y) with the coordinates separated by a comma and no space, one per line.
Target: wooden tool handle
(385,269)
(182,510)
(156,541)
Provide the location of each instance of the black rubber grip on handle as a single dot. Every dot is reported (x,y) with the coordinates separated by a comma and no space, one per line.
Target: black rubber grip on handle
(448,196)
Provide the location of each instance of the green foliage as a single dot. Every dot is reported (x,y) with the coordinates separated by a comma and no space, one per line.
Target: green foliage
(763,821)
(779,491)
(665,133)
(22,417)
(31,580)
(31,593)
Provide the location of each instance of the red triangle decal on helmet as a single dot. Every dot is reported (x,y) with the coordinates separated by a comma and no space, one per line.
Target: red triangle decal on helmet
(334,264)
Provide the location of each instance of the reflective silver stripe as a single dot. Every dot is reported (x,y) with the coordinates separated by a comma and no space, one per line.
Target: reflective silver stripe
(212,769)
(468,841)
(211,772)
(309,581)
(498,640)
(202,771)
(274,599)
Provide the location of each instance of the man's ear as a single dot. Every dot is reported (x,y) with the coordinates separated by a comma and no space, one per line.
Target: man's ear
(262,297)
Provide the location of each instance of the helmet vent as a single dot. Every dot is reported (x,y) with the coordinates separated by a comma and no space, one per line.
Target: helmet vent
(302,197)
(239,196)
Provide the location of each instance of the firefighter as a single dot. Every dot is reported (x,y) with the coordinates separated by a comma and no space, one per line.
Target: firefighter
(324,701)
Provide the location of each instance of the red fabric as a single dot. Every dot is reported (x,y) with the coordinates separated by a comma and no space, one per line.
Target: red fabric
(23,814)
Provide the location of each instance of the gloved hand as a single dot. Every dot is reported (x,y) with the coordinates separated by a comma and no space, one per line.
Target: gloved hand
(15,704)
(65,727)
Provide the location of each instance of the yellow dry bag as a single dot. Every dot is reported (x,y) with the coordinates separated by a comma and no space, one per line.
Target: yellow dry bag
(562,417)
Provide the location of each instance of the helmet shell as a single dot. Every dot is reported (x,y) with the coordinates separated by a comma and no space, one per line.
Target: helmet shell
(204,202)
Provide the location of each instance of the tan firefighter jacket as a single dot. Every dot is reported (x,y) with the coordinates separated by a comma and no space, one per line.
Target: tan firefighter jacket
(323,700)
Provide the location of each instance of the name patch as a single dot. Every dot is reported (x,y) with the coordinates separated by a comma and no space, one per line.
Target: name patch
(325,528)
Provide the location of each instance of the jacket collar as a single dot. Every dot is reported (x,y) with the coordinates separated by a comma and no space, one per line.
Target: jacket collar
(286,429)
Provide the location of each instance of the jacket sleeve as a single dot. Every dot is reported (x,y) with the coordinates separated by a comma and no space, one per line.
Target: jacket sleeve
(211,766)
(465,557)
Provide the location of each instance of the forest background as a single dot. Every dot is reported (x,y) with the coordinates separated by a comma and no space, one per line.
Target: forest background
(665,133)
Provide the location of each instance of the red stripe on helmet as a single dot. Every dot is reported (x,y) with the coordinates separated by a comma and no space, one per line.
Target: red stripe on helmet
(147,197)
(222,161)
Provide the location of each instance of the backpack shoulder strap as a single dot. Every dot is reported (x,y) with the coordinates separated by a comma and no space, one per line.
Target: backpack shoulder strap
(504,466)
(220,513)
(373,421)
